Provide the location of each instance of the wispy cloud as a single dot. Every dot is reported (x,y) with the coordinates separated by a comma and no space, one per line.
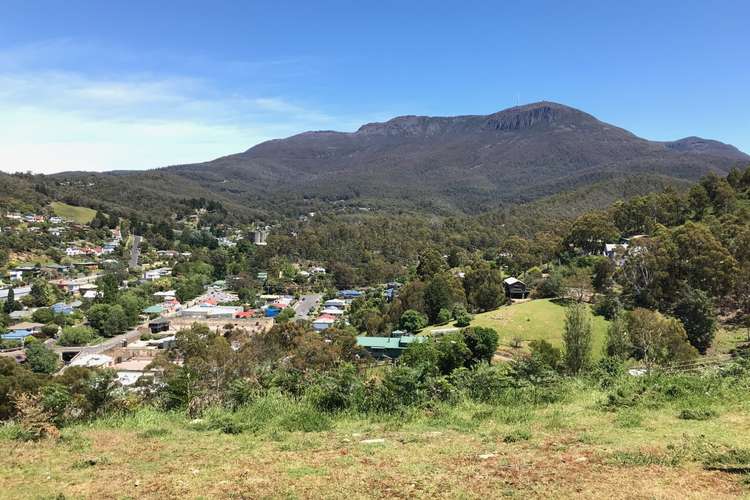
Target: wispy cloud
(57,119)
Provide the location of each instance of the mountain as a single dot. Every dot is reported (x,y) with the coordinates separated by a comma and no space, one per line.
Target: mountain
(548,152)
(471,163)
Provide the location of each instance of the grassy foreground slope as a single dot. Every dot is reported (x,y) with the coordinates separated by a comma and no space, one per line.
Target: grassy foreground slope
(542,319)
(570,448)
(81,215)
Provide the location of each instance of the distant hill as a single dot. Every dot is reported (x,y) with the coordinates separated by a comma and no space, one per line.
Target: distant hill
(471,163)
(539,155)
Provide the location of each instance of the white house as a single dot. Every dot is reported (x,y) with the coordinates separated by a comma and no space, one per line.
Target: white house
(337,303)
(333,311)
(156,274)
(92,360)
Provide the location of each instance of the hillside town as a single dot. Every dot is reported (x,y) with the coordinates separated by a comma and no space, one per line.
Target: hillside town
(49,298)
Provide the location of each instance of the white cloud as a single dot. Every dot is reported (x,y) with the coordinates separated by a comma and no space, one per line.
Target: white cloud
(56,121)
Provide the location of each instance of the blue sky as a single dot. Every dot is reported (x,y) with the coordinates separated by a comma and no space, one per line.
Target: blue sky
(141,84)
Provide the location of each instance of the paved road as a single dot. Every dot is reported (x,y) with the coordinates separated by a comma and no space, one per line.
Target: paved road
(115,341)
(306,304)
(135,251)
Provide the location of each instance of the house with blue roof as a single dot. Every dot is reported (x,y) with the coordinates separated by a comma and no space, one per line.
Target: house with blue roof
(19,335)
(62,308)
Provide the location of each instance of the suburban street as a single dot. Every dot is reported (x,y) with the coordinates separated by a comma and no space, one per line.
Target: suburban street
(130,336)
(306,304)
(135,251)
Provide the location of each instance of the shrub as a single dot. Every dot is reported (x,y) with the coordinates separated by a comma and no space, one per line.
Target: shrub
(50,330)
(35,421)
(222,420)
(305,419)
(454,352)
(516,436)
(608,370)
(56,399)
(240,392)
(76,336)
(629,419)
(9,344)
(43,315)
(444,316)
(412,321)
(335,390)
(401,386)
(482,342)
(658,339)
(697,414)
(545,354)
(41,359)
(607,306)
(483,383)
(550,287)
(462,316)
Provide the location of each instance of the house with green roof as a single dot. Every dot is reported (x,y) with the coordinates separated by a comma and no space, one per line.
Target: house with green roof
(388,347)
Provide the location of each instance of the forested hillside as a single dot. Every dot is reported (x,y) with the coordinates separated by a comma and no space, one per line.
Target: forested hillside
(466,163)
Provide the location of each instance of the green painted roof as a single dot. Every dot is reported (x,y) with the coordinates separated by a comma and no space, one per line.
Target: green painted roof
(154,310)
(388,342)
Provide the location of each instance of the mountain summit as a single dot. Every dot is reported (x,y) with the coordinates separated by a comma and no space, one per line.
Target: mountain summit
(469,162)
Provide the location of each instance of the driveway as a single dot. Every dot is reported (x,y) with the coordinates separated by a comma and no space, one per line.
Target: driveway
(307,304)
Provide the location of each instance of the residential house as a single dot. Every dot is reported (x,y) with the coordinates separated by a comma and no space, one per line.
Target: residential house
(92,361)
(21,314)
(73,251)
(159,325)
(338,303)
(70,286)
(18,335)
(323,322)
(515,288)
(210,311)
(62,308)
(388,347)
(156,309)
(260,236)
(26,326)
(616,252)
(155,274)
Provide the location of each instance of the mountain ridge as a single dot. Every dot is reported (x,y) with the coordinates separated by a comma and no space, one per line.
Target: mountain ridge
(457,159)
(438,165)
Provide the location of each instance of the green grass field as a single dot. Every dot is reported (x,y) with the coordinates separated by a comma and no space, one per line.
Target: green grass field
(82,215)
(569,449)
(535,320)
